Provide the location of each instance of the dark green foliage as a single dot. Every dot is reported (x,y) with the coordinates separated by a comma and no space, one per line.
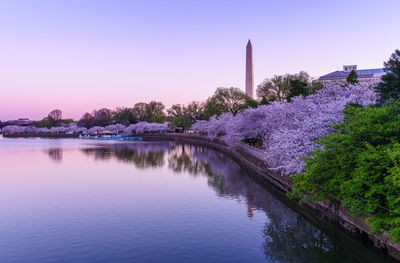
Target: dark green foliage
(360,166)
(67,121)
(298,87)
(49,122)
(183,121)
(150,112)
(253,141)
(194,110)
(144,111)
(352,78)
(389,88)
(231,100)
(264,101)
(157,119)
(124,116)
(100,117)
(284,87)
(211,109)
(45,123)
(184,116)
(251,103)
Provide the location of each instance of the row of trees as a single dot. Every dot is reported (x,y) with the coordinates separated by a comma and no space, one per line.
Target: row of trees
(284,87)
(287,131)
(232,100)
(53,119)
(224,100)
(148,112)
(138,128)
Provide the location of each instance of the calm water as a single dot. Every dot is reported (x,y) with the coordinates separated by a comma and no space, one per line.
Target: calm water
(69,200)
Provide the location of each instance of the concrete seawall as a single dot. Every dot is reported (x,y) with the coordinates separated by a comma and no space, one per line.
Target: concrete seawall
(324,213)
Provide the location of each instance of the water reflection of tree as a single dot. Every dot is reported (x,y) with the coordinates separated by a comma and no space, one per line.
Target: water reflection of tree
(288,237)
(141,159)
(99,153)
(142,155)
(181,159)
(300,241)
(55,154)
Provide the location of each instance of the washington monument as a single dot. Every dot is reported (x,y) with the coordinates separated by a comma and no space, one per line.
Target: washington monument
(249,70)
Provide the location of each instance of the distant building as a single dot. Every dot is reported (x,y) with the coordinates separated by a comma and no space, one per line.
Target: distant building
(364,75)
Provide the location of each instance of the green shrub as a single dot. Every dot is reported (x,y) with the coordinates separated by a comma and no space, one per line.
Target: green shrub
(360,166)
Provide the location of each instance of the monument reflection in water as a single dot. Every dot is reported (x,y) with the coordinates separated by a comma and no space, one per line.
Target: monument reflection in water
(151,202)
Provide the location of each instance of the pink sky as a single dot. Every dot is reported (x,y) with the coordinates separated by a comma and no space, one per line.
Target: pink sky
(81,55)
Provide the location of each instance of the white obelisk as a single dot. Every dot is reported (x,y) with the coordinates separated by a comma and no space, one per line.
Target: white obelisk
(249,70)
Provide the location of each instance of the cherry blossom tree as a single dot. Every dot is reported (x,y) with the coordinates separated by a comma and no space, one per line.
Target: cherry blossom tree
(146,127)
(95,130)
(115,128)
(59,130)
(288,130)
(12,129)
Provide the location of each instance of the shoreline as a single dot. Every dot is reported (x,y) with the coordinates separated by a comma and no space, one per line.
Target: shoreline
(319,213)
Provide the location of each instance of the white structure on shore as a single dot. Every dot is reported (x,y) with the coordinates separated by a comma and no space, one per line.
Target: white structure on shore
(249,70)
(363,75)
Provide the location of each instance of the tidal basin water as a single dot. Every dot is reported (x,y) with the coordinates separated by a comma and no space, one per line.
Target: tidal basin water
(71,200)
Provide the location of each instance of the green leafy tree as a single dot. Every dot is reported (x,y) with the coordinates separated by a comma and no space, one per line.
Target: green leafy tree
(251,103)
(297,88)
(45,123)
(176,110)
(144,111)
(352,78)
(389,87)
(264,101)
(124,116)
(155,108)
(230,100)
(185,116)
(67,121)
(157,119)
(183,121)
(274,89)
(194,110)
(359,166)
(284,87)
(211,109)
(140,111)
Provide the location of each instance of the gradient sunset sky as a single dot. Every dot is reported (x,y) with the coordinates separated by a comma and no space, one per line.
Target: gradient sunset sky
(83,55)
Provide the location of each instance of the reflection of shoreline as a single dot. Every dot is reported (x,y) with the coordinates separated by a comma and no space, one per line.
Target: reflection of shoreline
(288,237)
(55,154)
(142,155)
